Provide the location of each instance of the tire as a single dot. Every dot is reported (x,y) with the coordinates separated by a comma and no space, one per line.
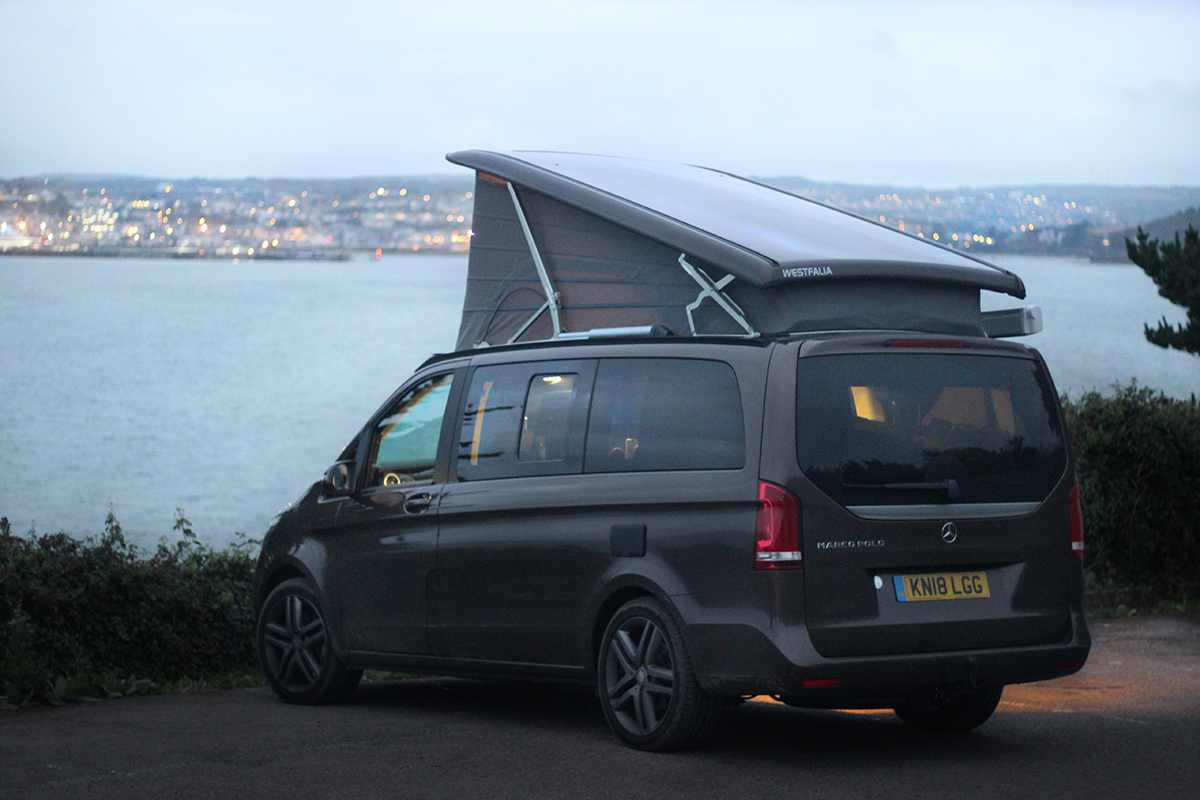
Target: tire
(647,688)
(295,651)
(957,715)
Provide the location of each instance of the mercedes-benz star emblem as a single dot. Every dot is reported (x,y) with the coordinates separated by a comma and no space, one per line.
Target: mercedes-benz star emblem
(949,533)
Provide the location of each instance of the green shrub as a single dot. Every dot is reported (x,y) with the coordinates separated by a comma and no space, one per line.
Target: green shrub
(90,617)
(1138,459)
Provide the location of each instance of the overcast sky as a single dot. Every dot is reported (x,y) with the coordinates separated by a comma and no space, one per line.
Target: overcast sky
(915,93)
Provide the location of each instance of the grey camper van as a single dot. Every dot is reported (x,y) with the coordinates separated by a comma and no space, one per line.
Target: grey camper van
(699,439)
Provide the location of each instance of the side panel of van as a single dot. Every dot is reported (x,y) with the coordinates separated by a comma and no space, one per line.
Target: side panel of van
(663,497)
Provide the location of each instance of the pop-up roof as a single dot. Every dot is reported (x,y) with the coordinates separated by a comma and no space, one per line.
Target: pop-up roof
(564,243)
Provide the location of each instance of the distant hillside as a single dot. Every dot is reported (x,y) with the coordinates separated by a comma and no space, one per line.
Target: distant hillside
(1120,205)
(132,184)
(1167,227)
(1079,221)
(1108,244)
(1072,221)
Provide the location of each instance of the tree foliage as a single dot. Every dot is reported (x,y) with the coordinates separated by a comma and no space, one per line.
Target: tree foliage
(1137,455)
(1175,269)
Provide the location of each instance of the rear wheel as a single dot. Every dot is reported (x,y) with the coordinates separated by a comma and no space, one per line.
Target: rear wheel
(647,688)
(957,715)
(294,648)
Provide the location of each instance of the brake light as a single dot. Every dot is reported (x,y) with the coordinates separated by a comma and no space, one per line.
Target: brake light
(926,343)
(777,529)
(1076,522)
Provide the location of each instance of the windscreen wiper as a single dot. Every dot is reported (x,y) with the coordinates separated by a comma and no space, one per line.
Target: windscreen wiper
(950,487)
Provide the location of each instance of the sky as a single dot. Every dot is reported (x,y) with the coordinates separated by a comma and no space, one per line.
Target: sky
(911,94)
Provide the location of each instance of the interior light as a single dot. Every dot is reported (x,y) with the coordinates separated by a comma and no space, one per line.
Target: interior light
(866,405)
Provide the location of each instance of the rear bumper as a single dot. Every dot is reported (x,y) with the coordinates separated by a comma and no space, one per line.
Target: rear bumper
(740,659)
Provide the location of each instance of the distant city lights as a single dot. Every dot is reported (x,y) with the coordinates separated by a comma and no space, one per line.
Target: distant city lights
(196,216)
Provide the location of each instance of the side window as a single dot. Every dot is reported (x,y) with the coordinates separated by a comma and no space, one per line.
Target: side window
(665,414)
(404,443)
(523,419)
(546,425)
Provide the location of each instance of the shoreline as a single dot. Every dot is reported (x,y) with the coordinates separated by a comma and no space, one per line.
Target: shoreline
(290,254)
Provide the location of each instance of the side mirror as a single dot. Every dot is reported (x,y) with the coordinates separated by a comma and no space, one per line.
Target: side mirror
(338,477)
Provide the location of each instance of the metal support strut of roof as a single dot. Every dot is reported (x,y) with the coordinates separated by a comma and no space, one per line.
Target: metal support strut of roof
(708,288)
(551,295)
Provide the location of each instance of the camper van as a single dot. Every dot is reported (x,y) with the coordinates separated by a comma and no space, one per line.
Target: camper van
(699,440)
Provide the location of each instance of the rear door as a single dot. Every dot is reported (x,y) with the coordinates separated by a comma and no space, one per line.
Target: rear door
(934,503)
(513,560)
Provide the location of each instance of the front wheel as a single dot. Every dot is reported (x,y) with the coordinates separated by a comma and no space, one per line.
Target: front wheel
(957,715)
(647,688)
(294,648)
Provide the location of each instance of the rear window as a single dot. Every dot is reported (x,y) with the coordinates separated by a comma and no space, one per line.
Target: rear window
(915,428)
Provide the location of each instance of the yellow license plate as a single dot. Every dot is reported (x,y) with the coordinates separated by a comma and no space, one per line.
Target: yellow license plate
(941,586)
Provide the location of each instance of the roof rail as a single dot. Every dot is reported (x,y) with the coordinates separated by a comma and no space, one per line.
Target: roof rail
(609,333)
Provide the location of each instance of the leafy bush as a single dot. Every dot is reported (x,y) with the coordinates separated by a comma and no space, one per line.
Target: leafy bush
(1138,459)
(95,616)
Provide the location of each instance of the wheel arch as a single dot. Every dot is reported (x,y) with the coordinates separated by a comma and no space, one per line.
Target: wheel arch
(616,597)
(283,572)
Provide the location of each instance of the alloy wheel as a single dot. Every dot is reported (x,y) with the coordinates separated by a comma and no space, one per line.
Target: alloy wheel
(295,643)
(640,675)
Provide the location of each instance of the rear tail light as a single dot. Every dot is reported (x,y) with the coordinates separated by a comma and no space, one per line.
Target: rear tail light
(1076,523)
(777,529)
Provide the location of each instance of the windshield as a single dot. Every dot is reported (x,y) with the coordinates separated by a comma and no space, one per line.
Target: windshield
(916,428)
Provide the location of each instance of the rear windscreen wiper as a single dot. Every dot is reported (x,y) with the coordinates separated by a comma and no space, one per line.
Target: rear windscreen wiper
(950,487)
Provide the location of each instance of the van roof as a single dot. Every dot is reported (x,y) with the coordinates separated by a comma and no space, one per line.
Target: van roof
(563,243)
(761,234)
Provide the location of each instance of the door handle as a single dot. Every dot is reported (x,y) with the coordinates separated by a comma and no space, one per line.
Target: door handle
(418,503)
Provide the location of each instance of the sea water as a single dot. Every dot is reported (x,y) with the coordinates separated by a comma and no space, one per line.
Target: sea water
(227,388)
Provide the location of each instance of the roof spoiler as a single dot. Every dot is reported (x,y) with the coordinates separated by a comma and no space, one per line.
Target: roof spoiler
(1012,322)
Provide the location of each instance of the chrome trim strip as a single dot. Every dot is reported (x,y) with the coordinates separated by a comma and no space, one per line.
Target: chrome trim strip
(944,511)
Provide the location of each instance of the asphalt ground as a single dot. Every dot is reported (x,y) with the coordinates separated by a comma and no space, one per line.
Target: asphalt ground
(1127,726)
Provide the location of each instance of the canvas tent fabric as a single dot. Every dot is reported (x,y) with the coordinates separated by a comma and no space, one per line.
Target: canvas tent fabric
(634,243)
